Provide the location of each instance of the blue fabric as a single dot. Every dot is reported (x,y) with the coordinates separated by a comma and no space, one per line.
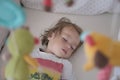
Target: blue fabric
(12,16)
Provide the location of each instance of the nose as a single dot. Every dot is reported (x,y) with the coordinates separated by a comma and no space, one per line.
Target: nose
(67,46)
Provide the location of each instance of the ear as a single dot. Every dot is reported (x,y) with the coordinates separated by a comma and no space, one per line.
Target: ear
(100,60)
(51,36)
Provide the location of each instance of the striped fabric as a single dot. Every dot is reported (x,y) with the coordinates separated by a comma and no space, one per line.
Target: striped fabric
(47,70)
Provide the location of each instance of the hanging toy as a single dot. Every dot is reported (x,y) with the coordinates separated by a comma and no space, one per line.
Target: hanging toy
(47,5)
(12,16)
(20,44)
(69,2)
(100,51)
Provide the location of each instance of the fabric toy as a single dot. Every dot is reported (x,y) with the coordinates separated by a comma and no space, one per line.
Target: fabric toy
(12,16)
(69,2)
(47,5)
(100,50)
(20,44)
(105,73)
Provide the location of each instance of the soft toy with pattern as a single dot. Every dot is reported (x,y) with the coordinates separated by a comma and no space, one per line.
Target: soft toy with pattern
(100,50)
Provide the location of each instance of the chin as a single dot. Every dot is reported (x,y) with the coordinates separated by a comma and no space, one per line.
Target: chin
(60,56)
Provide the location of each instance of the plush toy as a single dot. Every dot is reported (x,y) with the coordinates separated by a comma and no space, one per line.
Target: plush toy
(105,73)
(69,2)
(20,44)
(100,50)
(47,5)
(12,16)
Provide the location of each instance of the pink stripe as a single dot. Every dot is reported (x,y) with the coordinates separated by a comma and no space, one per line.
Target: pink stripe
(50,64)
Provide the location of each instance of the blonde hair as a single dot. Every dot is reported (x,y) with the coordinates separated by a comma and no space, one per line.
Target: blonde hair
(62,23)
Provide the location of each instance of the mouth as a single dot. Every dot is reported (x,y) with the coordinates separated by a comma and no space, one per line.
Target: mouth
(65,52)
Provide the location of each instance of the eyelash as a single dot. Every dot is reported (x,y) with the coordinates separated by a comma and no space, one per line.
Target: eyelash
(66,41)
(72,48)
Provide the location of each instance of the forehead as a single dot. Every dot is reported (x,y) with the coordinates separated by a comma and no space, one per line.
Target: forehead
(72,34)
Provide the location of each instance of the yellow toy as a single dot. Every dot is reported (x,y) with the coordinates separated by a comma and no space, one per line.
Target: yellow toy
(100,51)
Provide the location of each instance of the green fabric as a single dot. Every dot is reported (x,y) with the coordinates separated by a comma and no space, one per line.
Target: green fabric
(19,44)
(20,41)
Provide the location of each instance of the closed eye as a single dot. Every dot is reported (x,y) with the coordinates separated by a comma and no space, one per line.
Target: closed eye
(73,47)
(64,39)
(67,41)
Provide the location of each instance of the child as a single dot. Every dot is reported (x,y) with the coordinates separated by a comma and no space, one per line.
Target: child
(61,42)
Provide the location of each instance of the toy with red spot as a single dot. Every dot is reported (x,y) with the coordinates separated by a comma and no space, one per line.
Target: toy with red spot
(47,5)
(100,50)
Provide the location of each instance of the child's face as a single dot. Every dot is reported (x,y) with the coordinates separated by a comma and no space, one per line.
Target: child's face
(63,45)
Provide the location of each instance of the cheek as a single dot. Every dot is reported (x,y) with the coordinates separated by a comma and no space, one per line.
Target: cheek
(70,53)
(56,45)
(60,43)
